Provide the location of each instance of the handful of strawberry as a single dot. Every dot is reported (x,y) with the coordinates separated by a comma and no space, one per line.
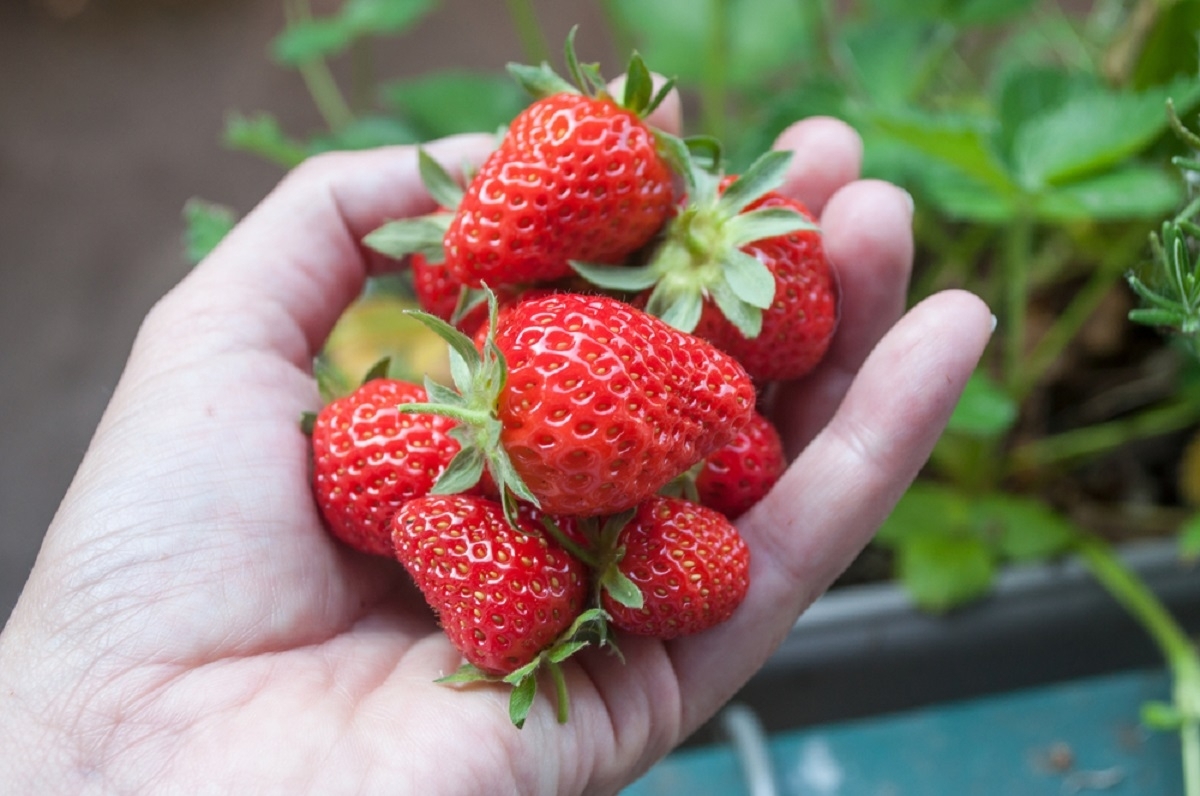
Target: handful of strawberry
(581,475)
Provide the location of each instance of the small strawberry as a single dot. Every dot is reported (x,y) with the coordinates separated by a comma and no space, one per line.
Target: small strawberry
(585,405)
(743,267)
(369,459)
(509,598)
(578,175)
(443,296)
(735,477)
(689,563)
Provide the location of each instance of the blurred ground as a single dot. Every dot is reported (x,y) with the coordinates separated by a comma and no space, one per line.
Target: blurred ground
(110,119)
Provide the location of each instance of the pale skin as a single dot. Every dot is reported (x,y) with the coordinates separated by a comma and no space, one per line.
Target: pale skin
(190,627)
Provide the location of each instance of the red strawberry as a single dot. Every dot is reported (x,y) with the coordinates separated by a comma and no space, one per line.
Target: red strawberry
(740,474)
(369,459)
(689,563)
(586,405)
(440,294)
(743,267)
(578,176)
(503,594)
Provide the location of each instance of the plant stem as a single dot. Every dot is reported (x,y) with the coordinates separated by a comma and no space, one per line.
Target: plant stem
(1065,328)
(1095,439)
(1180,653)
(714,89)
(529,31)
(319,80)
(1018,246)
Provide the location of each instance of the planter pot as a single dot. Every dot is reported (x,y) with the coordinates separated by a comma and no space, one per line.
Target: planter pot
(1035,689)
(865,650)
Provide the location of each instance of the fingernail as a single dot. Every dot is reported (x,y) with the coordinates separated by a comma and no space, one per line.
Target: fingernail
(994,322)
(912,205)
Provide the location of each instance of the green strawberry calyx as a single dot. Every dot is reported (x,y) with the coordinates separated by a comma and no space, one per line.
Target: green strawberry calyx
(479,377)
(422,235)
(701,257)
(589,628)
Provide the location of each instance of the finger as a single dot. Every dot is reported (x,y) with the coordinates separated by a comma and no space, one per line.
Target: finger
(867,234)
(828,155)
(284,275)
(833,498)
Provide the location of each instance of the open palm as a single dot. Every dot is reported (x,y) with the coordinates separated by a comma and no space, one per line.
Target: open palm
(190,626)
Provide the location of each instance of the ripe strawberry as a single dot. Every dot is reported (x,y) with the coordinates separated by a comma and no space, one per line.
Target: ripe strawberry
(443,296)
(689,563)
(585,405)
(578,176)
(743,267)
(737,476)
(369,459)
(503,594)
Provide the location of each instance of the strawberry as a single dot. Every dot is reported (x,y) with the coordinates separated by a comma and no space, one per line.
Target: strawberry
(743,267)
(509,598)
(735,477)
(740,474)
(578,175)
(689,563)
(585,405)
(369,459)
(441,295)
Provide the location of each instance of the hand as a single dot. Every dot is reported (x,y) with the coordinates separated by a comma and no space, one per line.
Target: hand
(190,626)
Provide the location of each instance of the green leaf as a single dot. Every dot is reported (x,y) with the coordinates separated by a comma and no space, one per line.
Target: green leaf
(467,673)
(764,175)
(760,37)
(1025,92)
(627,279)
(1023,529)
(1189,538)
(1161,716)
(984,410)
(450,102)
(750,279)
(943,572)
(960,142)
(310,39)
(520,702)
(205,225)
(422,235)
(463,472)
(441,186)
(767,222)
(621,588)
(261,135)
(963,199)
(891,57)
(1129,193)
(925,509)
(682,312)
(1094,130)
(746,318)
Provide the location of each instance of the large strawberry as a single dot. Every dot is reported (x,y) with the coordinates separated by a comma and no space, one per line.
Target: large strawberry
(579,175)
(369,459)
(507,596)
(744,267)
(585,405)
(689,564)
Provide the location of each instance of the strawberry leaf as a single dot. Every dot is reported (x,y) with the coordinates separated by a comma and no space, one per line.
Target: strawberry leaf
(682,311)
(628,279)
(467,673)
(639,86)
(407,236)
(763,176)
(521,700)
(767,222)
(749,279)
(744,316)
(560,653)
(441,186)
(463,472)
(379,370)
(540,81)
(459,343)
(621,588)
